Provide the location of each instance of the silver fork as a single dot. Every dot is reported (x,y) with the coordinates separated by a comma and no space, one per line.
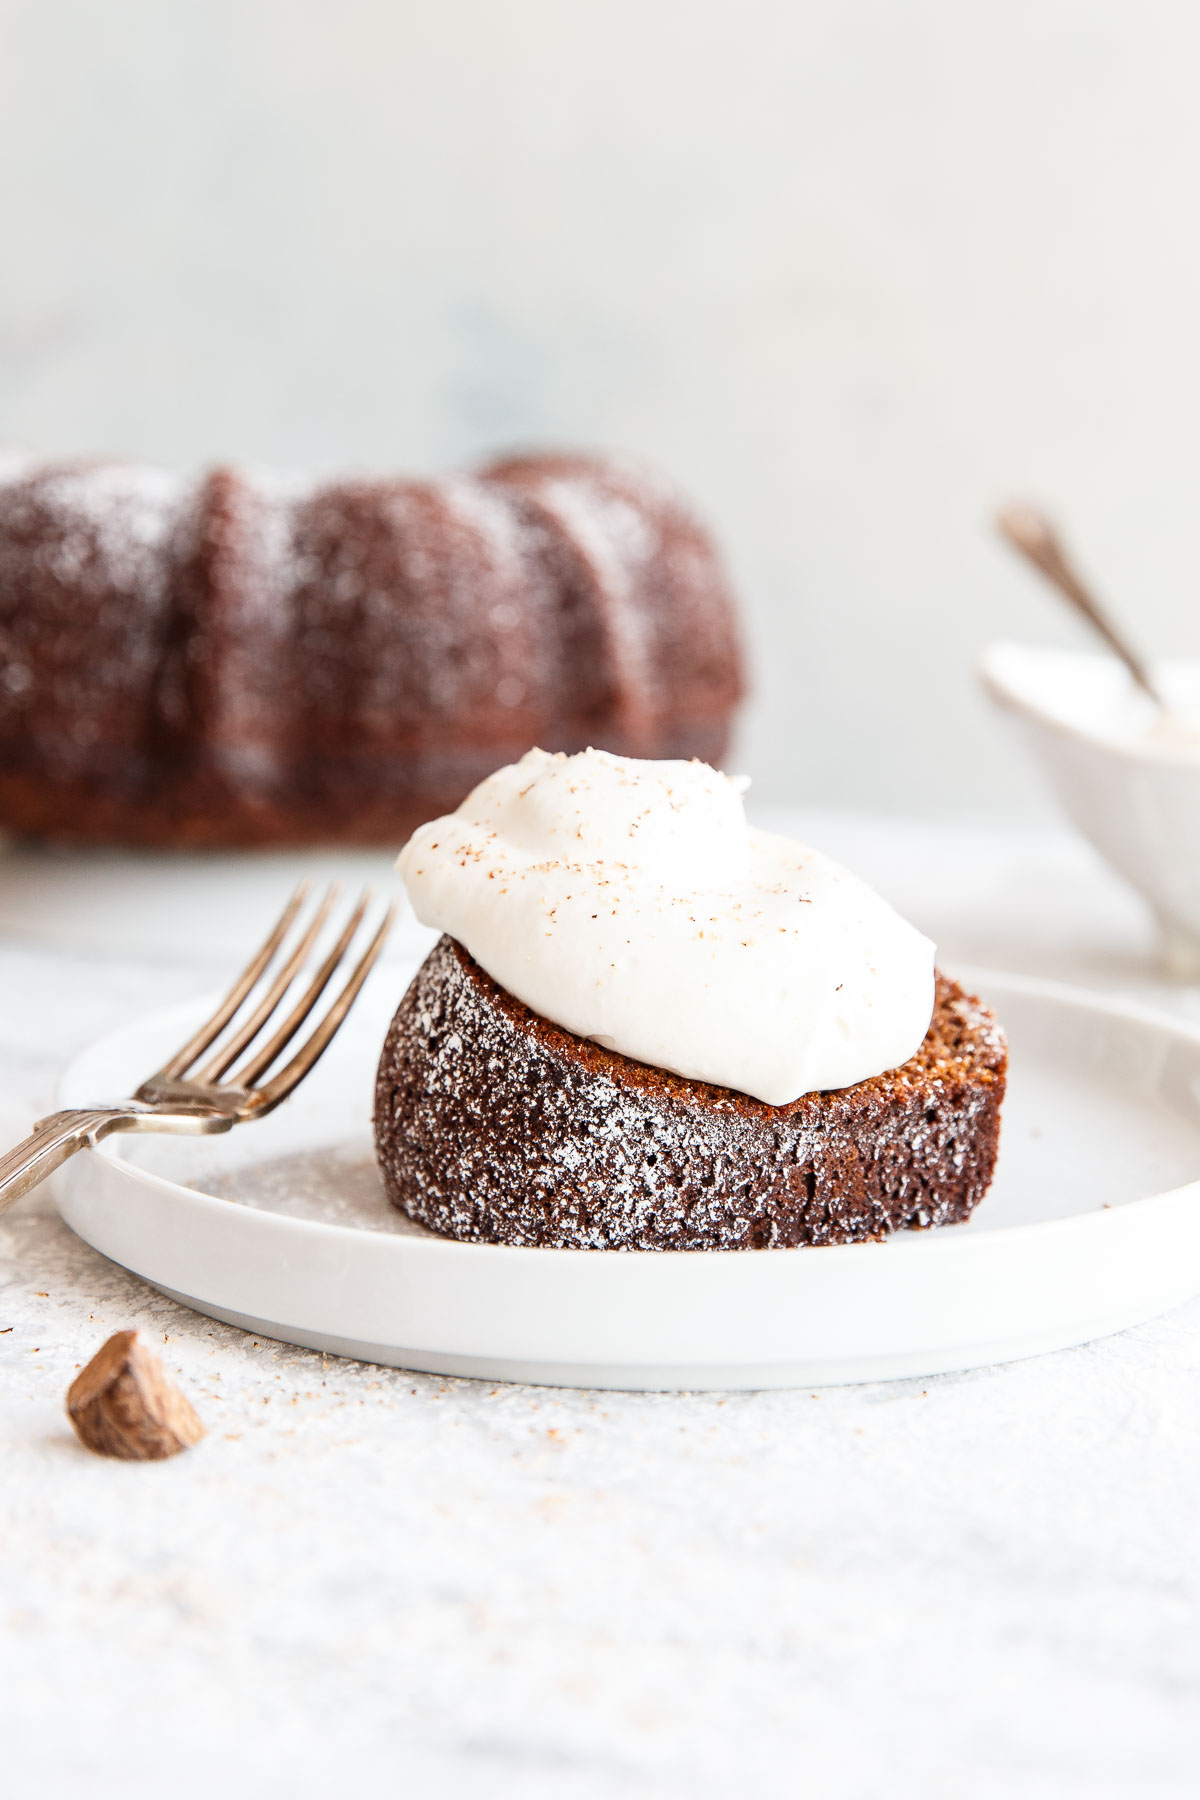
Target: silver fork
(188,1096)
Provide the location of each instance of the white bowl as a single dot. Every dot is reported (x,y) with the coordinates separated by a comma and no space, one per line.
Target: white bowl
(1129,780)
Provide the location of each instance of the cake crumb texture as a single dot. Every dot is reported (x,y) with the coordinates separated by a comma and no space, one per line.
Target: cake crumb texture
(495,1126)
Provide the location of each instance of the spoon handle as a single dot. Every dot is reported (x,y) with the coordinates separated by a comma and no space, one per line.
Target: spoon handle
(1032,533)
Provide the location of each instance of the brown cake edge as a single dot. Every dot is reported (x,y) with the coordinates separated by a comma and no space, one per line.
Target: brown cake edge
(495,1125)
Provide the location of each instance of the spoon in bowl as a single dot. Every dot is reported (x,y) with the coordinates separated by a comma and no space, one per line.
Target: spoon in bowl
(1031,532)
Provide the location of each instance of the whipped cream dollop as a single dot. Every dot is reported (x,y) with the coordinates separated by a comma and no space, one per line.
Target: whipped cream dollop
(630,903)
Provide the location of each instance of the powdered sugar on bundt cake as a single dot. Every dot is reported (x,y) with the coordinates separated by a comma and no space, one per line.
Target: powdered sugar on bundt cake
(245,659)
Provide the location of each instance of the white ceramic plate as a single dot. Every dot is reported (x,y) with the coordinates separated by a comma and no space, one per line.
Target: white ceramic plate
(1093,1224)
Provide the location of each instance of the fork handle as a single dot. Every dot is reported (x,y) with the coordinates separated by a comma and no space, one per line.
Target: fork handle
(50,1143)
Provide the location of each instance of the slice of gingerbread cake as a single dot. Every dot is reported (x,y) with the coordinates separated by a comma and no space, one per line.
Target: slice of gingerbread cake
(650,1028)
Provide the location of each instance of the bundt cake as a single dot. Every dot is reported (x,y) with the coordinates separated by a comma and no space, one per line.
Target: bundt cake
(249,661)
(494,1125)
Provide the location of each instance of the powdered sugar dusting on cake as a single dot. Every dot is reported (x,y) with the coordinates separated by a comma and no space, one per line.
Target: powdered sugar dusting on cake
(254,658)
(493,1127)
(617,545)
(103,519)
(85,574)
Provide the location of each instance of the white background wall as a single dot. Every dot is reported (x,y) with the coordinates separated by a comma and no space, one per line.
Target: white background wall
(851,269)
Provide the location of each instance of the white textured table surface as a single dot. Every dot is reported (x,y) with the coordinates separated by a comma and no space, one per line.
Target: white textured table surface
(366,1582)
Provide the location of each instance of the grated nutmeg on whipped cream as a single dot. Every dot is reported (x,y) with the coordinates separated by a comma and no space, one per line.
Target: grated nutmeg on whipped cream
(631,903)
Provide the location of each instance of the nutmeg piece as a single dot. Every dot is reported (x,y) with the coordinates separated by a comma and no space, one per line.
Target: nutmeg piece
(122,1404)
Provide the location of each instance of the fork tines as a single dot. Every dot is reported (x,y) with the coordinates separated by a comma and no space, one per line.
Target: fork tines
(240,1063)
